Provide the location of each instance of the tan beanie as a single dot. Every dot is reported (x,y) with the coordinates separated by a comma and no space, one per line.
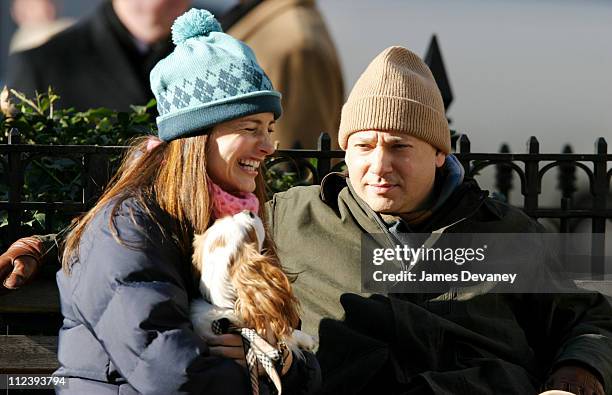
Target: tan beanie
(397,92)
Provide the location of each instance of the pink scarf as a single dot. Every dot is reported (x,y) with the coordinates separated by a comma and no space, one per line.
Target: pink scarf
(225,203)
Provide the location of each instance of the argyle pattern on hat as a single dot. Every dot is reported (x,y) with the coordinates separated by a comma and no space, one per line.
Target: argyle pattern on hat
(214,85)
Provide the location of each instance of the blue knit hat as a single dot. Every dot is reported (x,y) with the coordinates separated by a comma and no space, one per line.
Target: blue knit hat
(209,78)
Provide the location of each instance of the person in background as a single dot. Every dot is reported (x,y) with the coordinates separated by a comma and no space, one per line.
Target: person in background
(293,45)
(103,60)
(37,22)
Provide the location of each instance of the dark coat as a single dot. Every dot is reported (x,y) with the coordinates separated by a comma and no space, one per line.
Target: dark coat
(94,63)
(126,322)
(471,343)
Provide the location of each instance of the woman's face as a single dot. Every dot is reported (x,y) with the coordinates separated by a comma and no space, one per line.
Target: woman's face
(236,150)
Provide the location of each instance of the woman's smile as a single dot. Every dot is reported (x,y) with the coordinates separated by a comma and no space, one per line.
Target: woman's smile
(250,166)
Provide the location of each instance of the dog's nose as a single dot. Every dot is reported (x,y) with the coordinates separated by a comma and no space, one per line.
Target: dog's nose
(250,213)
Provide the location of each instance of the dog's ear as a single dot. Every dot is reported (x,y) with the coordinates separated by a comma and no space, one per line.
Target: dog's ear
(264,295)
(198,251)
(251,237)
(206,243)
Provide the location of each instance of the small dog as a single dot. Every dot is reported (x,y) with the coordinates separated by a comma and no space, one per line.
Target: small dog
(243,285)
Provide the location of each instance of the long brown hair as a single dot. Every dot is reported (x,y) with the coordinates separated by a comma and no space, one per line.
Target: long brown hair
(170,177)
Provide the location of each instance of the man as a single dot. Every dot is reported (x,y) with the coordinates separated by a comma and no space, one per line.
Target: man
(36,22)
(401,179)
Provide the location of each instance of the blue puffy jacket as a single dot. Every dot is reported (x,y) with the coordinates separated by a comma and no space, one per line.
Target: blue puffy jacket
(126,327)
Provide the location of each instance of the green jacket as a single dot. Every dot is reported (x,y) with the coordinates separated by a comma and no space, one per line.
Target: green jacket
(456,343)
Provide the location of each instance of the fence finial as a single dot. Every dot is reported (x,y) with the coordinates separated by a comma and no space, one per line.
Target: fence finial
(464,144)
(567,178)
(503,174)
(323,163)
(324,143)
(601,146)
(14,137)
(533,145)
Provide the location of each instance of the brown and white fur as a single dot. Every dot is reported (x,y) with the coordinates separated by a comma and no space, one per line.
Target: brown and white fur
(241,284)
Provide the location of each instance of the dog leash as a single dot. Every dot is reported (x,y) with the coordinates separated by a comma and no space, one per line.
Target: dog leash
(257,350)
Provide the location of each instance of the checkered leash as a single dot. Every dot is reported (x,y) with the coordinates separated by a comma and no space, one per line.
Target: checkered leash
(258,350)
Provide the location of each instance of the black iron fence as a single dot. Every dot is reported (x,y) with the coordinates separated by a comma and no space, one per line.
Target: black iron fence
(93,167)
(531,167)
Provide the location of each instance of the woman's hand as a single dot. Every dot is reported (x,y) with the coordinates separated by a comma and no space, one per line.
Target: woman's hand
(231,346)
(227,346)
(287,354)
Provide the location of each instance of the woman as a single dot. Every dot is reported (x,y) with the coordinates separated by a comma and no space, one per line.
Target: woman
(127,281)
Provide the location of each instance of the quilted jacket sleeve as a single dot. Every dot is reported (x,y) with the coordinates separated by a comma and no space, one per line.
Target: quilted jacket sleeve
(134,301)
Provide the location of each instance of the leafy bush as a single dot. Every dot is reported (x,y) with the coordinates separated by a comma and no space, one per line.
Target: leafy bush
(38,122)
(52,178)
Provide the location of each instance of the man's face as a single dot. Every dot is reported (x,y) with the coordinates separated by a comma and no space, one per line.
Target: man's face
(391,171)
(149,20)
